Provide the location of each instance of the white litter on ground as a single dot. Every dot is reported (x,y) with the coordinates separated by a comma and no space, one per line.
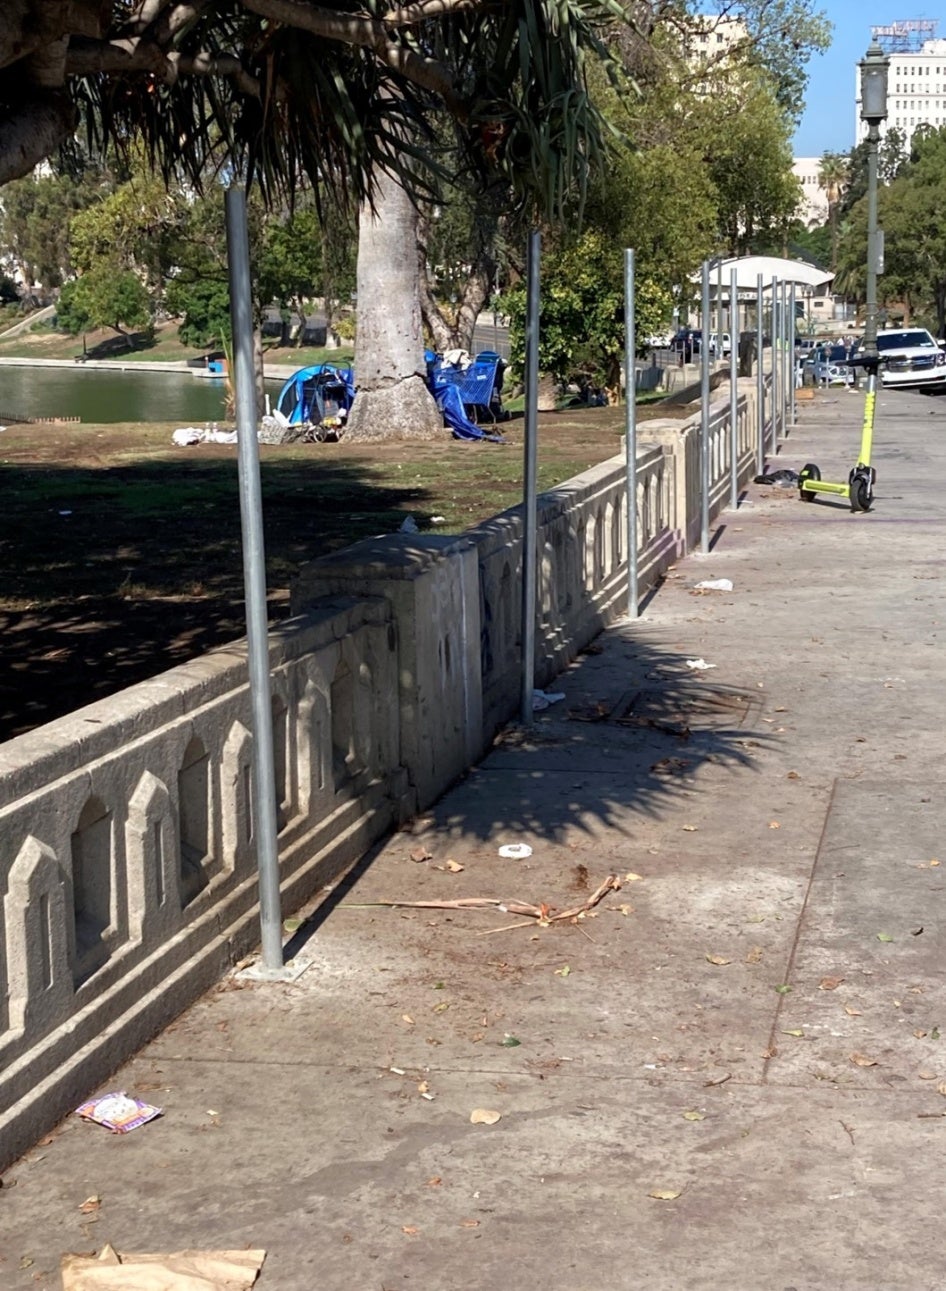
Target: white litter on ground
(515,851)
(185,436)
(543,698)
(715,585)
(699,665)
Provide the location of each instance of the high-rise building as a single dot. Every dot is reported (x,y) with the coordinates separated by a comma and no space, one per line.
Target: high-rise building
(916,80)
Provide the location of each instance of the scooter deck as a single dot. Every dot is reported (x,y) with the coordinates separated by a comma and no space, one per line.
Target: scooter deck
(826,486)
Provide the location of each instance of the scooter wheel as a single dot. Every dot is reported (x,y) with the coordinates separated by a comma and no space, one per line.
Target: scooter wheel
(808,472)
(860,495)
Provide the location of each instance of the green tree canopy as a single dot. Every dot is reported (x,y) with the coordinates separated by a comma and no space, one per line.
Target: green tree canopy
(35,215)
(911,213)
(104,298)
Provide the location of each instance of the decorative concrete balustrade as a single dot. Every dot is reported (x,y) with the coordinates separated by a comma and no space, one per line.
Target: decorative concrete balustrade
(128,869)
(127,860)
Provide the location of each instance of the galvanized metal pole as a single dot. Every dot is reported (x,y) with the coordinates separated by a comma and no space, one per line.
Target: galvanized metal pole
(793,357)
(704,413)
(759,374)
(775,363)
(630,431)
(254,579)
(733,390)
(719,309)
(530,477)
(783,371)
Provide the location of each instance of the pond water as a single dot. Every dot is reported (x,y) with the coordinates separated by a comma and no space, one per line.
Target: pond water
(97,396)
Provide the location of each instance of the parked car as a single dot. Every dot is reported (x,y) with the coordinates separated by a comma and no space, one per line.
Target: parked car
(659,341)
(826,365)
(910,359)
(715,347)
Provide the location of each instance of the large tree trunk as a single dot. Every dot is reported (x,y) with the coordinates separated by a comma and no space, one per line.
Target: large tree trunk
(392,400)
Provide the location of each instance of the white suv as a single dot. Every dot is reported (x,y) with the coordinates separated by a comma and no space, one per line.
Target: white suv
(910,359)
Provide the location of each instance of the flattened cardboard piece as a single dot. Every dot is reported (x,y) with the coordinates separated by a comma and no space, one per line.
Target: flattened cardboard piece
(180,1271)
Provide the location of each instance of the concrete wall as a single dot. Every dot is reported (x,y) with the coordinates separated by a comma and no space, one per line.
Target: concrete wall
(127,862)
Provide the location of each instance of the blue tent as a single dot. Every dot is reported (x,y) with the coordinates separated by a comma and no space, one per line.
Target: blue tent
(316,394)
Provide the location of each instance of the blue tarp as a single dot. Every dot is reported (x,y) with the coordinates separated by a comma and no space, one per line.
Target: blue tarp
(447,386)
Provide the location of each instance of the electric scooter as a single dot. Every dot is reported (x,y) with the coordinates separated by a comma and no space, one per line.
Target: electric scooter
(860,482)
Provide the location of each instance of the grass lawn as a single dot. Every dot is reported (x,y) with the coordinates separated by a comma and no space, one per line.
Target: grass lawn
(121,555)
(43,342)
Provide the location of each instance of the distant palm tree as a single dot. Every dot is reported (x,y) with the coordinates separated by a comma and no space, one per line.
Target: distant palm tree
(833,176)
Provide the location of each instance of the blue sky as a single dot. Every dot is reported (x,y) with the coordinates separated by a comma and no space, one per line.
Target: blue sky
(828,121)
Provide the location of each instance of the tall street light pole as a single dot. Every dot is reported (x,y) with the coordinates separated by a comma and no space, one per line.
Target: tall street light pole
(874,67)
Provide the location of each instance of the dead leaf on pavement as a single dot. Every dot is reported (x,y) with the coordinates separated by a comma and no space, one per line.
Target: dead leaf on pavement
(690,829)
(719,960)
(718,1080)
(469,1223)
(693,1115)
(862,1060)
(435,1181)
(919,1034)
(754,955)
(665,1194)
(453,866)
(773,824)
(484,1116)
(90,1204)
(631,877)
(410,1230)
(851,1011)
(926,1075)
(830,983)
(941,1089)
(793,775)
(795,1032)
(421,854)
(406,1017)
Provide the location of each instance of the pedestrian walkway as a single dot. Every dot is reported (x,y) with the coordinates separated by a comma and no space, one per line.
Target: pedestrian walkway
(729,1073)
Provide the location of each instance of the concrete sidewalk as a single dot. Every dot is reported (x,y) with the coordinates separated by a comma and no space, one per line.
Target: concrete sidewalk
(730,1074)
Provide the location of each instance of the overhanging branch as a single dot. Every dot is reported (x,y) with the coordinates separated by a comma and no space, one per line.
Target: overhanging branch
(33,132)
(366,33)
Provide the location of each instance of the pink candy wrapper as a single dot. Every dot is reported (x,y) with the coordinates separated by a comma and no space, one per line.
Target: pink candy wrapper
(118,1112)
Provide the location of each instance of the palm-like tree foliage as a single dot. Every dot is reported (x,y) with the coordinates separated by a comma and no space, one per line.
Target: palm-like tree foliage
(833,176)
(288,90)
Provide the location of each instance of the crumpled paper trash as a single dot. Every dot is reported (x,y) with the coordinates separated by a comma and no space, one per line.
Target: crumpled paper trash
(181,1271)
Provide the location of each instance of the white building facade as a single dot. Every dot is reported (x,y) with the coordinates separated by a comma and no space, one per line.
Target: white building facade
(813,208)
(916,87)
